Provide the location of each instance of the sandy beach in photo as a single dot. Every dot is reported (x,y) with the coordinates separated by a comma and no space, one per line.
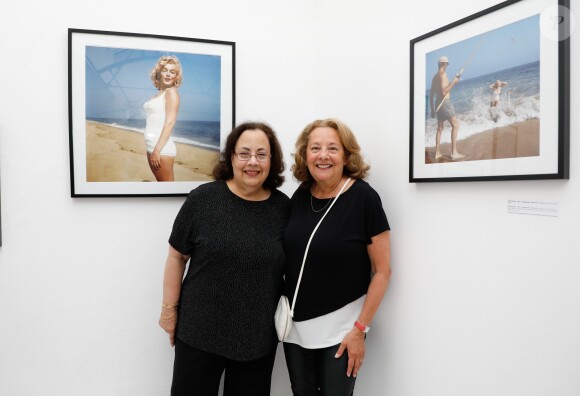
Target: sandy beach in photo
(117,154)
(521,139)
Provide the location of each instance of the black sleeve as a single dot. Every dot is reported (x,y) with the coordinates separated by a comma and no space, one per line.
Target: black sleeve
(376,219)
(181,234)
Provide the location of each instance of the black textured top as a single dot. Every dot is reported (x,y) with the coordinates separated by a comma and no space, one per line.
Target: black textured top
(338,267)
(235,274)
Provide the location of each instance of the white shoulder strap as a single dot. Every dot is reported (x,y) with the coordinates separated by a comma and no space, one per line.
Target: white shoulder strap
(308,246)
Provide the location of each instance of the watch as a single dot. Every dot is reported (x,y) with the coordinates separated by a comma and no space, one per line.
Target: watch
(364,328)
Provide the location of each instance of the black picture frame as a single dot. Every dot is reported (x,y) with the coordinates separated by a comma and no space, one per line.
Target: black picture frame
(0,211)
(108,83)
(526,135)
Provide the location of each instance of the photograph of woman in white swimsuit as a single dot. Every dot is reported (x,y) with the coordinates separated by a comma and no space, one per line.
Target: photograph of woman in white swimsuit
(152,115)
(161,111)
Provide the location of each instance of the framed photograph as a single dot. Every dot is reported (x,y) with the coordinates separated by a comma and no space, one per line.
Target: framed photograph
(0,214)
(147,113)
(490,95)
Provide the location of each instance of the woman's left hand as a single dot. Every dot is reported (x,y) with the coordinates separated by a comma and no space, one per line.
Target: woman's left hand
(354,343)
(155,160)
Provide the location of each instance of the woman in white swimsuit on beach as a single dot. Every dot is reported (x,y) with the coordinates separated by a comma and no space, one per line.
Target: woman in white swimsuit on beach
(496,90)
(161,112)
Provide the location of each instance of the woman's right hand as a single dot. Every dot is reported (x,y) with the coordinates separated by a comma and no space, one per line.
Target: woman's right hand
(168,322)
(174,270)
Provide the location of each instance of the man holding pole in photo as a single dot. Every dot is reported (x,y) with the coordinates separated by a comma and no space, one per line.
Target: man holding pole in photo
(443,107)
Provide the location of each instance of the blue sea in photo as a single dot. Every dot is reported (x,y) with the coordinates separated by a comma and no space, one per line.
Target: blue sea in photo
(205,134)
(519,101)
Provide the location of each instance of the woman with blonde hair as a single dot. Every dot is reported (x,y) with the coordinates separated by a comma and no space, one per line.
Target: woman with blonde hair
(496,90)
(347,268)
(161,112)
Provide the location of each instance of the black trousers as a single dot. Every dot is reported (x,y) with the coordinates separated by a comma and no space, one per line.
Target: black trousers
(198,373)
(316,372)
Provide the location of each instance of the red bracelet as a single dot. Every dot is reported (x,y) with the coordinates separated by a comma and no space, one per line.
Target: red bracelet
(362,327)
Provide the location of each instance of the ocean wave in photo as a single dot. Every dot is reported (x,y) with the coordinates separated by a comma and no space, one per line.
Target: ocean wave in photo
(204,134)
(519,101)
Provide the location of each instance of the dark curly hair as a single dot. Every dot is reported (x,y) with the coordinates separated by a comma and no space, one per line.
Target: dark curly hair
(224,169)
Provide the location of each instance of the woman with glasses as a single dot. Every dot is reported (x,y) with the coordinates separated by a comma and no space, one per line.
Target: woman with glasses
(220,317)
(348,263)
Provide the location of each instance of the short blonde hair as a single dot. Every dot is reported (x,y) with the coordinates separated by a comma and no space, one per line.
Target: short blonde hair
(167,60)
(355,166)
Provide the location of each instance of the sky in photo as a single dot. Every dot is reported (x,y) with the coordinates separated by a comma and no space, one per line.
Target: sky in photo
(499,49)
(118,83)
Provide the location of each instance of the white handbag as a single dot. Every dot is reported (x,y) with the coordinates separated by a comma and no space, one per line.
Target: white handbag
(284,313)
(283,318)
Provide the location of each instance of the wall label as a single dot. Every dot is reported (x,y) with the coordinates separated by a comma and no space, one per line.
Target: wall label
(533,208)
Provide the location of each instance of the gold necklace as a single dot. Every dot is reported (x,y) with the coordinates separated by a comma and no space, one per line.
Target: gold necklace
(329,199)
(319,210)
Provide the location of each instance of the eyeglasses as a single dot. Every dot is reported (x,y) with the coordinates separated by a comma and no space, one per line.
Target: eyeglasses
(245,156)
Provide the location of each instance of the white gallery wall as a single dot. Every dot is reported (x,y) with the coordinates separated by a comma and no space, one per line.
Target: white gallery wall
(481,302)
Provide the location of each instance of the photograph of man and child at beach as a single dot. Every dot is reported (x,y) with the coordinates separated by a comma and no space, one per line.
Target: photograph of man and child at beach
(483,96)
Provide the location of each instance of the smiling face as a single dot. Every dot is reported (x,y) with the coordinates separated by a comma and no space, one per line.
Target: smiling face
(167,76)
(250,175)
(325,156)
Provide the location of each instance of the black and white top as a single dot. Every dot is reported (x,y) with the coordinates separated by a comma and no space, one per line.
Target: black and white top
(235,274)
(337,270)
